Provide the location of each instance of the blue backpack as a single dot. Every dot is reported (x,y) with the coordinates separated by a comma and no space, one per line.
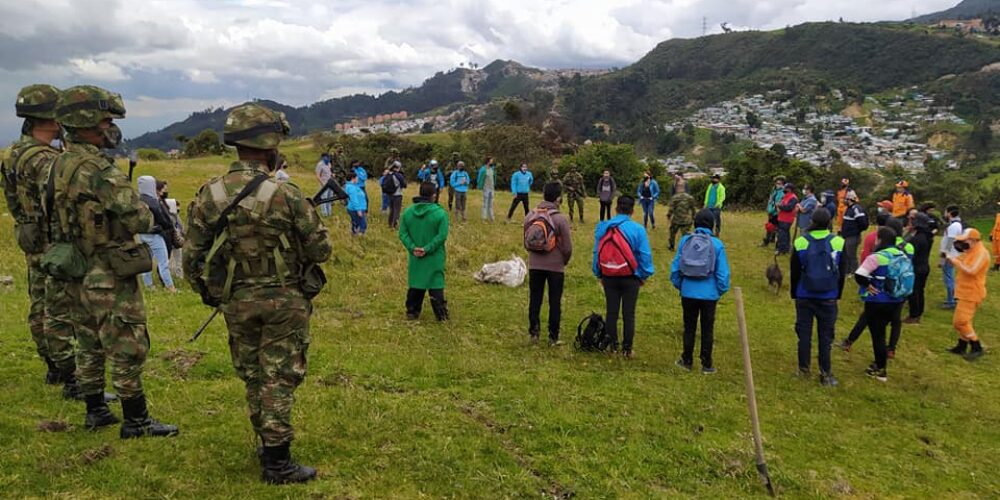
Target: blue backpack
(819,271)
(899,278)
(697,257)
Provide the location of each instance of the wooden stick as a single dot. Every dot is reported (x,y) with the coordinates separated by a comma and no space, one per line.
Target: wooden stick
(751,392)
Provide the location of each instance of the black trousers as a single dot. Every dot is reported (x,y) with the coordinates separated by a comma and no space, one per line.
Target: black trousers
(824,312)
(518,198)
(395,209)
(537,279)
(917,299)
(896,320)
(880,316)
(605,210)
(621,296)
(694,309)
(415,302)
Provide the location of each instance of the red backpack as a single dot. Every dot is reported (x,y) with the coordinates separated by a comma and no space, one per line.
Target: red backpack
(540,233)
(614,254)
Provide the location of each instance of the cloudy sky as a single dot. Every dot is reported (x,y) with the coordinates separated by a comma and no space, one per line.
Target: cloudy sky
(171,57)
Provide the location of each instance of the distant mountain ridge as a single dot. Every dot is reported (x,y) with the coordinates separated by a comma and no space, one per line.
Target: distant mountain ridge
(968,9)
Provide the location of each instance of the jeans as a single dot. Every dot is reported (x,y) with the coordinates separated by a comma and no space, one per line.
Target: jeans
(359,222)
(693,309)
(518,199)
(605,210)
(784,237)
(648,209)
(621,294)
(717,212)
(325,208)
(460,200)
(917,303)
(158,247)
(487,210)
(850,254)
(948,274)
(385,203)
(675,229)
(536,292)
(825,314)
(395,209)
(879,316)
(415,303)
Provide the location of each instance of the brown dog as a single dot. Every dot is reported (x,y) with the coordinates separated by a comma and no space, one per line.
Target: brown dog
(774,276)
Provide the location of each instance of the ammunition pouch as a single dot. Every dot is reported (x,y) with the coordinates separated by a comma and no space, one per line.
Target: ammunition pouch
(312,281)
(64,262)
(130,259)
(30,237)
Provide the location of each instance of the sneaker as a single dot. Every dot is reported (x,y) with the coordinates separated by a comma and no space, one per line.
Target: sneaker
(708,370)
(628,354)
(874,371)
(827,379)
(555,342)
(681,364)
(845,345)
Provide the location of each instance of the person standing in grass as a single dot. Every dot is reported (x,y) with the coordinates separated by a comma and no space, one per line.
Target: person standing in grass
(606,188)
(995,238)
(817,284)
(357,205)
(902,200)
(786,217)
(972,265)
(423,232)
(881,308)
(486,181)
(361,172)
(458,188)
(853,223)
(954,230)
(806,208)
(623,261)
(922,241)
(520,185)
(648,192)
(773,202)
(550,247)
(681,214)
(324,172)
(576,191)
(395,183)
(715,197)
(842,205)
(700,287)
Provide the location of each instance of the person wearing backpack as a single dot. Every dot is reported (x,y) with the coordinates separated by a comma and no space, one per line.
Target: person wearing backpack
(623,261)
(648,192)
(882,304)
(972,264)
(700,271)
(547,239)
(817,283)
(786,217)
(393,185)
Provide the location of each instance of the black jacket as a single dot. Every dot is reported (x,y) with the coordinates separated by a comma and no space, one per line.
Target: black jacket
(855,221)
(922,242)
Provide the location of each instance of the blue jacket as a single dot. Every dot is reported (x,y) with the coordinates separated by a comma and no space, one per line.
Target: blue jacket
(424,175)
(520,183)
(362,174)
(702,289)
(636,236)
(877,279)
(356,199)
(654,189)
(460,180)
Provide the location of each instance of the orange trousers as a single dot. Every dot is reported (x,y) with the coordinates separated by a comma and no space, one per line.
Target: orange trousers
(965,312)
(996,251)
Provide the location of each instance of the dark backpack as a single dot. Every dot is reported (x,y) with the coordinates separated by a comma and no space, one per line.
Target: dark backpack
(614,256)
(697,256)
(819,271)
(390,184)
(540,233)
(590,334)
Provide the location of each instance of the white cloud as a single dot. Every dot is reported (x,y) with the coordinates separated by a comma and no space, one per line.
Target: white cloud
(102,71)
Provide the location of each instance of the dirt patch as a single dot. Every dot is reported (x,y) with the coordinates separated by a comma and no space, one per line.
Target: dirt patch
(854,111)
(182,360)
(338,379)
(54,426)
(942,140)
(95,455)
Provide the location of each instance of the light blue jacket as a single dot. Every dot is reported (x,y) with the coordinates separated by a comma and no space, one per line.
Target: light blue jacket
(356,199)
(424,175)
(520,182)
(460,180)
(636,236)
(362,174)
(711,288)
(654,189)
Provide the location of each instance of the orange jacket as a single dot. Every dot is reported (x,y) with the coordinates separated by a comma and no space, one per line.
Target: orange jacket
(996,230)
(841,205)
(970,277)
(901,203)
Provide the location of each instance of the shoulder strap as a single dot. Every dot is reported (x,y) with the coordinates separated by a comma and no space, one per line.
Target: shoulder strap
(251,186)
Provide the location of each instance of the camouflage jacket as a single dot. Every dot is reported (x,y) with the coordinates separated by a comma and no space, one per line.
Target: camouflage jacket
(573,182)
(28,168)
(94,203)
(271,235)
(682,209)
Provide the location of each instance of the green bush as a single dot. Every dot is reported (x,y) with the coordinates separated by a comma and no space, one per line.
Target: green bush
(204,144)
(620,159)
(150,154)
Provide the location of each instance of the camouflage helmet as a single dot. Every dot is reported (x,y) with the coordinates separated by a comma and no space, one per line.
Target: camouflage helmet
(254,126)
(37,101)
(394,151)
(85,106)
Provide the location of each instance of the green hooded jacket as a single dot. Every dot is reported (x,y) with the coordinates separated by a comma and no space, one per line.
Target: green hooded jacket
(425,225)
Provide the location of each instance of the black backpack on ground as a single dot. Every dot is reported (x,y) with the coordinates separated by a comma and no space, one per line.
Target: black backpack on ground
(590,334)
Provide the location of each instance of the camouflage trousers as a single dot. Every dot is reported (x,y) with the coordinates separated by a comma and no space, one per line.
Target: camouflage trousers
(578,201)
(113,330)
(36,311)
(268,341)
(63,312)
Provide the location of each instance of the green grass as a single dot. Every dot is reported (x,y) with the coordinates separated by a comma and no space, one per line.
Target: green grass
(394,409)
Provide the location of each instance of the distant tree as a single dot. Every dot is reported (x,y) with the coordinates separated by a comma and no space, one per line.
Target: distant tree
(620,159)
(427,128)
(668,143)
(753,120)
(512,112)
(817,134)
(835,155)
(150,154)
(800,116)
(205,143)
(980,138)
(181,139)
(779,149)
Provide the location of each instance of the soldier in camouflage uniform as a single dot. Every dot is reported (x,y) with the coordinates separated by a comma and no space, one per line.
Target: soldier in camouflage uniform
(24,173)
(576,191)
(393,157)
(340,165)
(97,214)
(681,214)
(270,238)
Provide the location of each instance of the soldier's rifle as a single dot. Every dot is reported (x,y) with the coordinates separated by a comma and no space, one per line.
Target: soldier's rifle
(337,193)
(215,312)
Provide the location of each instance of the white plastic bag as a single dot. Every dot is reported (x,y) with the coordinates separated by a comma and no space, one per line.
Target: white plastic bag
(507,272)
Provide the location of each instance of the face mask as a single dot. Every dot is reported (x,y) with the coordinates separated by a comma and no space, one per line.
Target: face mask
(112,136)
(962,246)
(165,195)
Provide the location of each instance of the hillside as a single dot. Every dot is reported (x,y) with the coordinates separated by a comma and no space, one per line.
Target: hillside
(680,76)
(968,9)
(459,86)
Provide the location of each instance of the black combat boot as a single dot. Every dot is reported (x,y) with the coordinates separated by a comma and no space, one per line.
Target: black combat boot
(277,467)
(440,309)
(976,352)
(52,376)
(138,423)
(98,414)
(959,348)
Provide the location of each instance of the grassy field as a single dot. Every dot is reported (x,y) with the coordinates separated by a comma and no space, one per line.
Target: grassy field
(397,409)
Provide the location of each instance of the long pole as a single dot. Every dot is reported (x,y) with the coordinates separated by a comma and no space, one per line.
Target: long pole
(751,392)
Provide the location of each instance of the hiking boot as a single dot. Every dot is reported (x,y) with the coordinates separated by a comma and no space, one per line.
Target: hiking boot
(52,376)
(876,372)
(138,422)
(827,379)
(412,316)
(959,348)
(976,352)
(98,413)
(911,321)
(708,370)
(845,345)
(628,354)
(440,308)
(277,467)
(683,365)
